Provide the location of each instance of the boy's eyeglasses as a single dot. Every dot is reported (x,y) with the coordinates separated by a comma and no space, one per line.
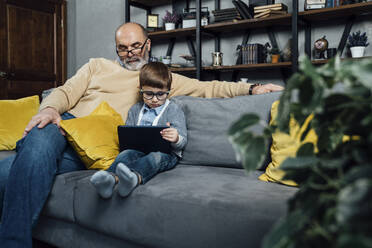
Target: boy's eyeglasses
(160,95)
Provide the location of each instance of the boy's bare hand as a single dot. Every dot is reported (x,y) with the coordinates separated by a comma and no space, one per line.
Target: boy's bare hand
(170,134)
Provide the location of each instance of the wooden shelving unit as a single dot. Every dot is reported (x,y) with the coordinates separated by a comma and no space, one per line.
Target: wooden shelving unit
(302,17)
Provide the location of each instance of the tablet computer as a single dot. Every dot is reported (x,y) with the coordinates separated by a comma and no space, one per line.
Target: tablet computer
(143,138)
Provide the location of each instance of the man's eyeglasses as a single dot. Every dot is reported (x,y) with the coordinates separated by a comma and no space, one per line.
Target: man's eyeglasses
(122,51)
(160,95)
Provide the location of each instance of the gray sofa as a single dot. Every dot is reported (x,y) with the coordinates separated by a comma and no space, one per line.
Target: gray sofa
(208,200)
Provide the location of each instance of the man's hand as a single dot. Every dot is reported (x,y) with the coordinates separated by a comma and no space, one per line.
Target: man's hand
(44,117)
(266,88)
(170,134)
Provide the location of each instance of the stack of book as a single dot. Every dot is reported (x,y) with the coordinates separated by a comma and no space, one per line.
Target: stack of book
(314,4)
(270,10)
(243,9)
(252,54)
(222,15)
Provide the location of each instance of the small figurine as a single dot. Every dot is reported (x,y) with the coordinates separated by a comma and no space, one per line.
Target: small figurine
(320,46)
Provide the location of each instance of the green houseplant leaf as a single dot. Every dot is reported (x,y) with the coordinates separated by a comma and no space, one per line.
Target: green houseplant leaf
(332,207)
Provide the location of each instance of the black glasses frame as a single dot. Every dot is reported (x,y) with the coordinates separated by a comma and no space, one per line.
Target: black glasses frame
(126,51)
(159,95)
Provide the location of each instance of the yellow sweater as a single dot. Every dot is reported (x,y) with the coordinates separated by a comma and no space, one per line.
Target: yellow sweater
(105,80)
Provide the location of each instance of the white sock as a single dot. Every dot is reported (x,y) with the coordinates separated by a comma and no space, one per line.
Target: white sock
(104,183)
(128,180)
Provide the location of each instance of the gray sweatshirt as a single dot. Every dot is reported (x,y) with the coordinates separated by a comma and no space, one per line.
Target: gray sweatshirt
(173,114)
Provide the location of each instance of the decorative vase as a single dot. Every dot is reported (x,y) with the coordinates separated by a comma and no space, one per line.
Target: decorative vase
(275,58)
(357,51)
(170,26)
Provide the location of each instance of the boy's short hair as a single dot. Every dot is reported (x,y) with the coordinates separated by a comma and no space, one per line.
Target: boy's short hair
(155,74)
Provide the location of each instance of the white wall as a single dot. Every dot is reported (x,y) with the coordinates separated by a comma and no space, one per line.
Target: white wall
(91,26)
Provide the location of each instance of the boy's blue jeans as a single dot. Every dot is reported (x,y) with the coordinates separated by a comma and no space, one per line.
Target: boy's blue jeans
(28,178)
(147,165)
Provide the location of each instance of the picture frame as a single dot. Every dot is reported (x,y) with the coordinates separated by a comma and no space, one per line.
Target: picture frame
(152,21)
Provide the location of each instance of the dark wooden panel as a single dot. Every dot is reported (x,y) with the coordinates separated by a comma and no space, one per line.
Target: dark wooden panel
(39,5)
(31,39)
(19,89)
(33,46)
(3,37)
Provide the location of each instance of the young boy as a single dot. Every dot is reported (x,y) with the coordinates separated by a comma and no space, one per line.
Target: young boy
(133,167)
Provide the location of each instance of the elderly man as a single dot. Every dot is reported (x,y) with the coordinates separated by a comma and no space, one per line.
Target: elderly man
(44,151)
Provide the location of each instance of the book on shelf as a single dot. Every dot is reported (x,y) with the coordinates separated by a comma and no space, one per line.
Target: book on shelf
(252,53)
(281,8)
(226,19)
(222,12)
(223,15)
(329,4)
(314,6)
(270,12)
(262,15)
(315,1)
(242,9)
(277,6)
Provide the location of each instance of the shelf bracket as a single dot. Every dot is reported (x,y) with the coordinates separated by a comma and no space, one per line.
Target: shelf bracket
(191,47)
(345,34)
(170,46)
(272,38)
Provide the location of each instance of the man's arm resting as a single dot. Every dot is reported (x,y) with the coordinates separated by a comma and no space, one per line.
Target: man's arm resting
(256,89)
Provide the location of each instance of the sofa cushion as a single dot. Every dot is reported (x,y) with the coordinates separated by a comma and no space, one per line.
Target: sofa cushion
(189,206)
(208,121)
(286,145)
(95,137)
(60,204)
(14,117)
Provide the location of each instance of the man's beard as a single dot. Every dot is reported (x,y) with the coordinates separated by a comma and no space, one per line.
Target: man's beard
(136,62)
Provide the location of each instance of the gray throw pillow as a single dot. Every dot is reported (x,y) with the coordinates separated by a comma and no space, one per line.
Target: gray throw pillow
(208,121)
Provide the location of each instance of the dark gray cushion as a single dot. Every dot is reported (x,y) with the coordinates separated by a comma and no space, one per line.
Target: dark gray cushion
(208,121)
(189,206)
(60,204)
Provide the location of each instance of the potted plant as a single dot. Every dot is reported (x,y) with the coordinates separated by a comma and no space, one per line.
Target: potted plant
(275,54)
(357,43)
(332,207)
(170,20)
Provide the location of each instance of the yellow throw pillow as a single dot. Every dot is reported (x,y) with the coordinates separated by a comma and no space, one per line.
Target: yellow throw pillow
(285,145)
(14,117)
(95,137)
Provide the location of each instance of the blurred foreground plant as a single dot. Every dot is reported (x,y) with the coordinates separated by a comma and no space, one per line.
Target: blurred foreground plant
(333,206)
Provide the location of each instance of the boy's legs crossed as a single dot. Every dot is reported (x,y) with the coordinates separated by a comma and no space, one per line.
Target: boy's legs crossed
(146,165)
(104,181)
